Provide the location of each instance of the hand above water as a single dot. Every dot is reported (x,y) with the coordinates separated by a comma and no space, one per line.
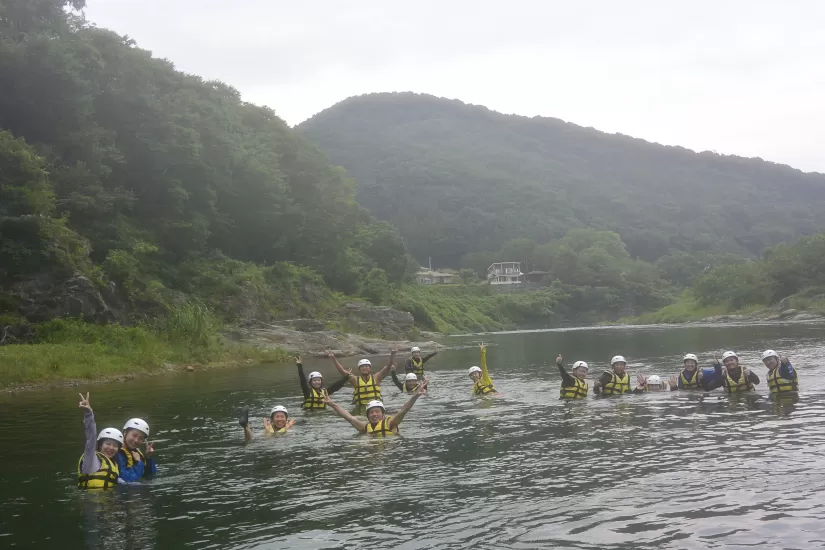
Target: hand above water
(136,456)
(641,379)
(84,402)
(298,360)
(150,449)
(559,359)
(674,380)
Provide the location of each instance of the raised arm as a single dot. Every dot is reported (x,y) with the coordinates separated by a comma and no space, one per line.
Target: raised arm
(604,379)
(383,372)
(91,463)
(485,375)
(338,384)
(395,380)
(302,377)
(752,376)
(566,378)
(340,368)
(399,416)
(429,356)
(339,410)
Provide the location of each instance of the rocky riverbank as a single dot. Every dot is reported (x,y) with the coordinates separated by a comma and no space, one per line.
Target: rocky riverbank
(764,315)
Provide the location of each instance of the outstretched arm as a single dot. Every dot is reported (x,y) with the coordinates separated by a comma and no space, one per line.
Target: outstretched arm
(338,385)
(340,368)
(428,356)
(399,416)
(383,372)
(339,410)
(302,377)
(485,375)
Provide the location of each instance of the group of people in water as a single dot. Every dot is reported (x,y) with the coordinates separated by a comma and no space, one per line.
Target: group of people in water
(114,457)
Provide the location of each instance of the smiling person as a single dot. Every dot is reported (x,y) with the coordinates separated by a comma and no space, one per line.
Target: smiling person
(482,383)
(367,386)
(378,423)
(782,377)
(133,463)
(314,390)
(278,422)
(410,383)
(652,383)
(615,381)
(691,377)
(573,386)
(415,364)
(97,468)
(736,378)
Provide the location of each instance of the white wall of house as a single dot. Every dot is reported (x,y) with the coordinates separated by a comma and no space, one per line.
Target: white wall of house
(505,273)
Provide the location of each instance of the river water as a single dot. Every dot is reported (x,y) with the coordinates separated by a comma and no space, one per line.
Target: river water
(522,470)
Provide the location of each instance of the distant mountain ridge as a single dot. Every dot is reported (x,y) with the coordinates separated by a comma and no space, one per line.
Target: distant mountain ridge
(458,178)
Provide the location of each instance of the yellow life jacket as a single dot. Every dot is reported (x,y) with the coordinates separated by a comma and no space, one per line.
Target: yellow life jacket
(315,399)
(381,427)
(405,390)
(737,386)
(130,461)
(417,366)
(777,384)
(482,389)
(366,391)
(617,385)
(104,478)
(577,391)
(690,384)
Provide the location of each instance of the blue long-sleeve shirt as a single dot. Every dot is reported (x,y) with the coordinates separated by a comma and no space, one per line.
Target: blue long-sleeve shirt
(139,469)
(787,371)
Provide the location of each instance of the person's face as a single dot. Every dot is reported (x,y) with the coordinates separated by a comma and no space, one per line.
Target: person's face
(655,387)
(375,414)
(316,383)
(771,362)
(365,370)
(618,367)
(731,362)
(278,420)
(133,438)
(475,376)
(580,373)
(416,354)
(690,365)
(109,447)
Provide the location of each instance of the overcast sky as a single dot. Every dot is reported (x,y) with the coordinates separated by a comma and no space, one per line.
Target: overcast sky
(737,77)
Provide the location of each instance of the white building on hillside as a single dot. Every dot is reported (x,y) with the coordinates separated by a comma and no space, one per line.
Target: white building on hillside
(504,273)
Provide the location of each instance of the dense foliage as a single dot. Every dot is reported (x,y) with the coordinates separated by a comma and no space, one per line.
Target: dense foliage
(161,180)
(784,271)
(459,179)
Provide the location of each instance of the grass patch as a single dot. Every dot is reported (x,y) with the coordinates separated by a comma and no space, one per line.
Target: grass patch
(74,349)
(686,308)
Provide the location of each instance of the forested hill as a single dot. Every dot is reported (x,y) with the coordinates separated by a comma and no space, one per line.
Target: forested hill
(459,178)
(116,167)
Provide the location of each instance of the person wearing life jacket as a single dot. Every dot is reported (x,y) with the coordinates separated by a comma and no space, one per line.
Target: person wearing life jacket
(652,383)
(97,468)
(378,423)
(482,383)
(691,377)
(366,386)
(314,389)
(415,364)
(782,377)
(135,464)
(573,386)
(735,377)
(410,383)
(615,381)
(278,422)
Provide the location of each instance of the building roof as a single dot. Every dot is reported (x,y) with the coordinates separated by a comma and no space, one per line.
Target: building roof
(494,263)
(435,274)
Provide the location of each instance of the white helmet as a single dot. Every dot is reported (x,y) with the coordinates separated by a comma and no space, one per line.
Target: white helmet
(690,356)
(137,424)
(279,408)
(363,362)
(769,353)
(414,349)
(729,354)
(411,377)
(314,374)
(581,364)
(617,359)
(373,404)
(654,380)
(474,369)
(111,433)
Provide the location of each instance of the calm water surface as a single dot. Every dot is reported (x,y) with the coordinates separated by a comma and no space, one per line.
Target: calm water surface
(523,470)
